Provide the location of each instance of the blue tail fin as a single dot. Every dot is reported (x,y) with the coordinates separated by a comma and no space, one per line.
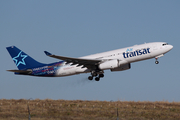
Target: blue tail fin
(21,59)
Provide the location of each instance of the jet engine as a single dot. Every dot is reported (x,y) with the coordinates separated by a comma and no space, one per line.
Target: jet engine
(122,67)
(109,64)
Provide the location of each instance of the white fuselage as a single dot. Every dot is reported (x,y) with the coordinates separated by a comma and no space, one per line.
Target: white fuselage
(125,55)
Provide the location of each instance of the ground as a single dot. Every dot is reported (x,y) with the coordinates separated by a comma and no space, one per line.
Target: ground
(90,110)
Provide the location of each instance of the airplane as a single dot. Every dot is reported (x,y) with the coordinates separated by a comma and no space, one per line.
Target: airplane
(115,60)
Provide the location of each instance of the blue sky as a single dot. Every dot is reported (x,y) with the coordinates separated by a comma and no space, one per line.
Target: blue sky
(79,28)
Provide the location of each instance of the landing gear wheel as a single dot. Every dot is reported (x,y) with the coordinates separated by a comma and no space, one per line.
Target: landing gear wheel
(97,78)
(94,74)
(101,75)
(90,77)
(157,62)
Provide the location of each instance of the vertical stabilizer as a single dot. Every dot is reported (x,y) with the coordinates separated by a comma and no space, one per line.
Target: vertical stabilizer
(21,59)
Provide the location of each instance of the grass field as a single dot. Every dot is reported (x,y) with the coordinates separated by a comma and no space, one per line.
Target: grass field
(87,110)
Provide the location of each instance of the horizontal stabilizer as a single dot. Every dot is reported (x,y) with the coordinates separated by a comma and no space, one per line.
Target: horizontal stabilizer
(21,71)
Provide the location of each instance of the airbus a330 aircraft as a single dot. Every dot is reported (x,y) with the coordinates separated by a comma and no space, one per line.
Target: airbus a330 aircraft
(116,60)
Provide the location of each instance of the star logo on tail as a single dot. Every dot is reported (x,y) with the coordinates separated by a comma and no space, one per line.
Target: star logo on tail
(19,59)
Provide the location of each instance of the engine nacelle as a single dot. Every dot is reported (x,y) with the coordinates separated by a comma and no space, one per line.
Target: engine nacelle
(109,65)
(122,67)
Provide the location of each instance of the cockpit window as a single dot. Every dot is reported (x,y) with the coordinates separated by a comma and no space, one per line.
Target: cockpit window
(164,44)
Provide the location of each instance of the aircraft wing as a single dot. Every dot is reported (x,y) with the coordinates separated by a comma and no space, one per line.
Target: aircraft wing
(89,63)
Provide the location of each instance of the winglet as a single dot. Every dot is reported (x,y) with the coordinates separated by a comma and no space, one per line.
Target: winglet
(47,53)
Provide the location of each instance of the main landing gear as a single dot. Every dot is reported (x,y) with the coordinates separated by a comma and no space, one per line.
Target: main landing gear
(96,75)
(157,62)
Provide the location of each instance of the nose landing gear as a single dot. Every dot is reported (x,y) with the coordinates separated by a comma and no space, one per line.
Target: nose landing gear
(157,62)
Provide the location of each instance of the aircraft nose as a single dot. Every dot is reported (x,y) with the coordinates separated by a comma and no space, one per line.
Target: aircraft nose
(171,47)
